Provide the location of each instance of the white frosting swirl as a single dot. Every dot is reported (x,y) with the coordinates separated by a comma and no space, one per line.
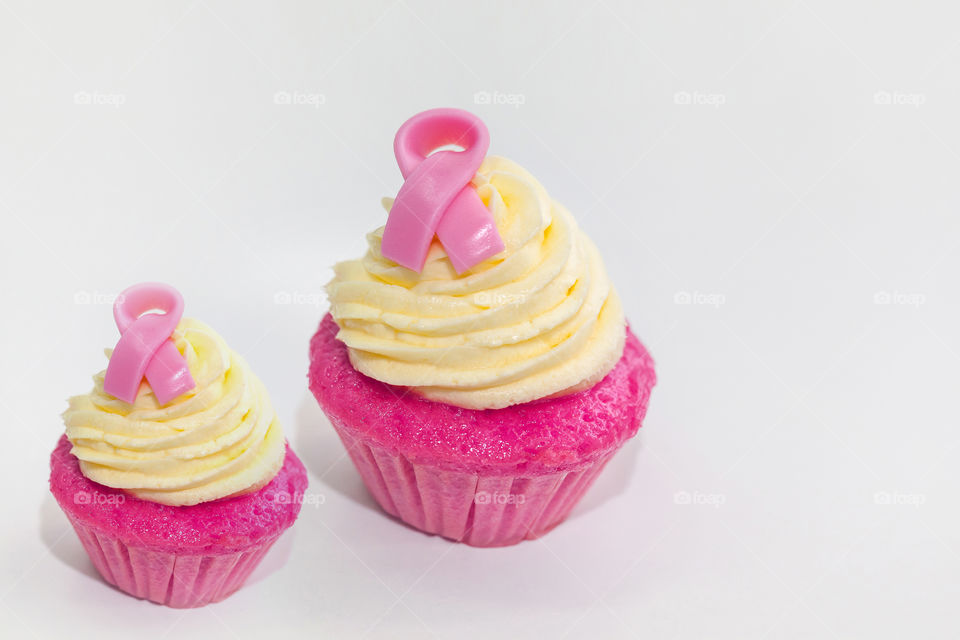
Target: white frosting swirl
(539,319)
(220,439)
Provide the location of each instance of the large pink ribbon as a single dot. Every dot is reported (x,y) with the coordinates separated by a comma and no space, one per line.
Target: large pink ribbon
(145,348)
(436,196)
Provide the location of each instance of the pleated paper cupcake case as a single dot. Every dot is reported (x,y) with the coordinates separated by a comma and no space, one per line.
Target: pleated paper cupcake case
(477,510)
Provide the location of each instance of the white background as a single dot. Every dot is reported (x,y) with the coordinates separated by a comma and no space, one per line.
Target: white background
(789,165)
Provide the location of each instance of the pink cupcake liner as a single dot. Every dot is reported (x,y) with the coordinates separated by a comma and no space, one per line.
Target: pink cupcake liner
(482,511)
(175,556)
(179,581)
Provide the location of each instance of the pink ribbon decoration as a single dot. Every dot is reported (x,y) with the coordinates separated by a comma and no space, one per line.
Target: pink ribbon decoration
(145,348)
(436,196)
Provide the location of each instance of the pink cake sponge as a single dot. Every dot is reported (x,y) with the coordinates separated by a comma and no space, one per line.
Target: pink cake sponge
(488,477)
(176,556)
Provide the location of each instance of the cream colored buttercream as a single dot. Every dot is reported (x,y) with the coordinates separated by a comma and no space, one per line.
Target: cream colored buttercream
(539,319)
(220,439)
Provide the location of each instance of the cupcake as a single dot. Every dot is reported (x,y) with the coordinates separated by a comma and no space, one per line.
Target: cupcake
(476,362)
(174,470)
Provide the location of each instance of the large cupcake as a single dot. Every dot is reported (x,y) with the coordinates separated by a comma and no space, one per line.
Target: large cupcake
(479,401)
(177,500)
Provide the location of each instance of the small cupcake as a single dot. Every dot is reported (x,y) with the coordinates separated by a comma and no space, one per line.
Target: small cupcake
(476,361)
(174,470)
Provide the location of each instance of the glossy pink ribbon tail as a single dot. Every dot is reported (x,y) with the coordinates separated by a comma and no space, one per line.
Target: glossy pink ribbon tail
(145,348)
(436,196)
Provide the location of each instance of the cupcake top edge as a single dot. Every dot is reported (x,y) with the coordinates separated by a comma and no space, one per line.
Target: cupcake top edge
(219,437)
(538,318)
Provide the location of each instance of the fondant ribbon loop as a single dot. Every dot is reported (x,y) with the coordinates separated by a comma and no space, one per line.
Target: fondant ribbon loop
(436,196)
(145,348)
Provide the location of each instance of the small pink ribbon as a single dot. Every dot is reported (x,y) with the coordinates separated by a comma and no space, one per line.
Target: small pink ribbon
(145,348)
(436,196)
